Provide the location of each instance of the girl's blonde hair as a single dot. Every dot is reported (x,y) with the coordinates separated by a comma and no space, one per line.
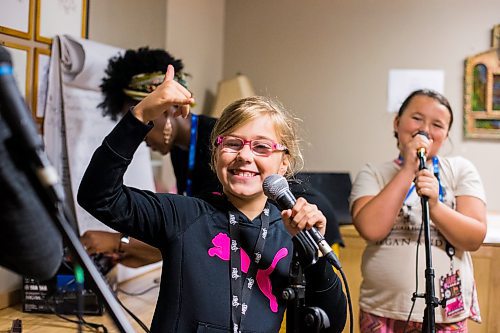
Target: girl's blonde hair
(244,110)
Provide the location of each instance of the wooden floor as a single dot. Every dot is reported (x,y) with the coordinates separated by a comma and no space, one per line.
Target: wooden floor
(142,306)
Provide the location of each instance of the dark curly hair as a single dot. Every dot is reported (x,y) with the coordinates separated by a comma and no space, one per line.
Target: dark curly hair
(120,70)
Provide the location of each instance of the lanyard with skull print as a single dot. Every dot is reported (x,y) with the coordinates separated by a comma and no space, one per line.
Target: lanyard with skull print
(241,289)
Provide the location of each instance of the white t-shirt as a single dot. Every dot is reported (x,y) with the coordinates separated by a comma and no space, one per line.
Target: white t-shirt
(388,266)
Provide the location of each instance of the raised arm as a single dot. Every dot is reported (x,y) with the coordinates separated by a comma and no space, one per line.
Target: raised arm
(102,192)
(465,226)
(374,216)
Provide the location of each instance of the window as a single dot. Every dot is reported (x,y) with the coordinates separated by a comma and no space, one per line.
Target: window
(26,30)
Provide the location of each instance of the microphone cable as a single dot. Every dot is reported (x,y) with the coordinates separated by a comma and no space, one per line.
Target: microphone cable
(349,302)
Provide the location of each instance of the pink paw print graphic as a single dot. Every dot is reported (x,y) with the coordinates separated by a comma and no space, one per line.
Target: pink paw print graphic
(221,249)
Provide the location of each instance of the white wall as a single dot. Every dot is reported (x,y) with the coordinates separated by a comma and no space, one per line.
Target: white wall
(329,60)
(128,23)
(191,30)
(195,32)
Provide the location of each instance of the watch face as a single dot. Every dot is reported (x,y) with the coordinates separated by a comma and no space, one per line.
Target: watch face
(125,239)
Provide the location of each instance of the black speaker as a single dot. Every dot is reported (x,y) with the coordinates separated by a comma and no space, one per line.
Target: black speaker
(336,187)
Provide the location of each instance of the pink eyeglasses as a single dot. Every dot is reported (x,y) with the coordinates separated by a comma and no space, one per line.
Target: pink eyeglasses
(260,147)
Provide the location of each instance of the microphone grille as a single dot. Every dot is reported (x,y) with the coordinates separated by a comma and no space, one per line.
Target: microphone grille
(274,185)
(424,133)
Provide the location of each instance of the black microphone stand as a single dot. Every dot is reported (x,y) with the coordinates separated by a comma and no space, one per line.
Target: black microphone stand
(431,302)
(294,294)
(51,194)
(299,317)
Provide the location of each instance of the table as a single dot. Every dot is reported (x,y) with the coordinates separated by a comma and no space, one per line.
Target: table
(142,306)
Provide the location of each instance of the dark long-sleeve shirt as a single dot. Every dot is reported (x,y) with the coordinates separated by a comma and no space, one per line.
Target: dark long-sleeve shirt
(192,235)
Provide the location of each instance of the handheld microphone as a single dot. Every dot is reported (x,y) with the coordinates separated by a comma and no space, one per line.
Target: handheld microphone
(17,116)
(421,151)
(276,188)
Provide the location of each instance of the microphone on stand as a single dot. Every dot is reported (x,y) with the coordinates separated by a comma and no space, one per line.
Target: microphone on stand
(421,152)
(276,188)
(429,321)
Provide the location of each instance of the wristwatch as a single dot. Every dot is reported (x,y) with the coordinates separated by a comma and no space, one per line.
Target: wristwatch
(124,239)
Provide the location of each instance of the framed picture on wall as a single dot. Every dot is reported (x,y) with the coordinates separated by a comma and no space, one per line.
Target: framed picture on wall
(482,92)
(58,17)
(15,18)
(21,64)
(40,81)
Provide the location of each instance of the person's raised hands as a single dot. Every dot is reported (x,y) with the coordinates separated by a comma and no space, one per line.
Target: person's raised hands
(427,185)
(411,148)
(167,95)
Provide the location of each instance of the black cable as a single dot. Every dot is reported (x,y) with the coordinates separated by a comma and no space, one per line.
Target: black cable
(143,326)
(49,300)
(80,321)
(140,293)
(349,303)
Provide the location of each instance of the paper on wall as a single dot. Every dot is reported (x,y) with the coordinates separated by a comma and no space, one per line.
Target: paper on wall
(74,126)
(404,81)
